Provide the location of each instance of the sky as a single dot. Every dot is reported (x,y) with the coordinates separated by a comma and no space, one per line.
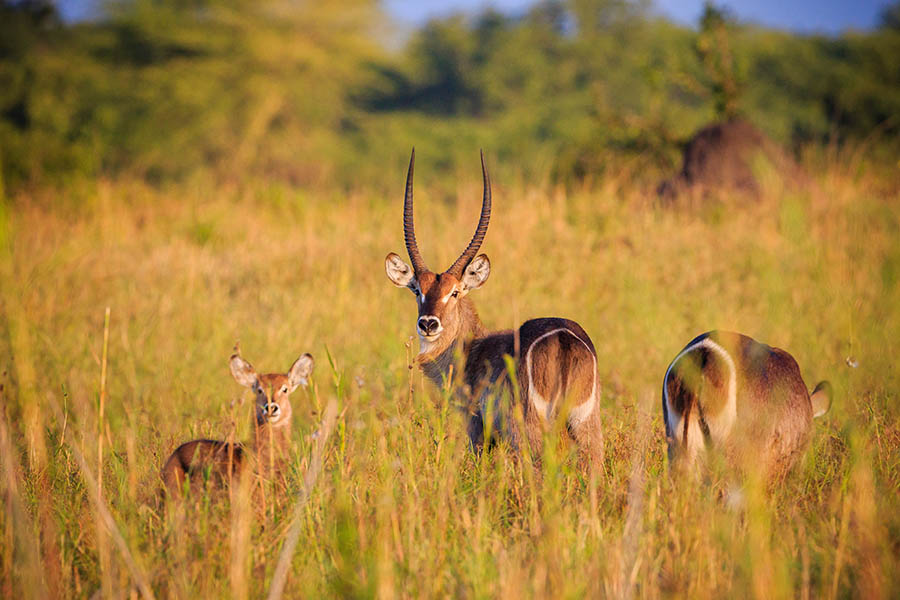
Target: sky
(806,16)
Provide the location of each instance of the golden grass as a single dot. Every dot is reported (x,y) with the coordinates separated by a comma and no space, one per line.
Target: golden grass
(401,507)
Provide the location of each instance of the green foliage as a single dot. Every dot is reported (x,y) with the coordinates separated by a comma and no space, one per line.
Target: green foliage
(714,51)
(165,89)
(890,16)
(308,92)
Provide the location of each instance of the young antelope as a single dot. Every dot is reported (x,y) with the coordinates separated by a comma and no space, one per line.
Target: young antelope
(220,461)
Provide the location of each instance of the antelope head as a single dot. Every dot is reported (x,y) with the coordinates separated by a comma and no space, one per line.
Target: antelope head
(439,295)
(272,389)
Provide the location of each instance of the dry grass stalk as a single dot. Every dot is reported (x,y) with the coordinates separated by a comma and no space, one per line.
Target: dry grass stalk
(276,589)
(102,548)
(820,275)
(630,560)
(103,514)
(25,552)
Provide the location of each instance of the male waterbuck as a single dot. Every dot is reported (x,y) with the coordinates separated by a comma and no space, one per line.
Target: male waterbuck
(555,361)
(219,461)
(729,392)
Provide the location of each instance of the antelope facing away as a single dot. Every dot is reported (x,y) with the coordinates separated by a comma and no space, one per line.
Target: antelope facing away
(556,365)
(729,392)
(219,461)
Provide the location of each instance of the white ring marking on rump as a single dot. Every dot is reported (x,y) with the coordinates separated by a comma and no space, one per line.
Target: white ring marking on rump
(719,425)
(544,408)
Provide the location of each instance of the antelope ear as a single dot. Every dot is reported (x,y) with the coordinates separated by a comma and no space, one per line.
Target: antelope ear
(300,371)
(476,272)
(400,273)
(242,371)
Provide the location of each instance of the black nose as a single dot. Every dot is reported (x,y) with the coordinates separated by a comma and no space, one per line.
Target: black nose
(429,325)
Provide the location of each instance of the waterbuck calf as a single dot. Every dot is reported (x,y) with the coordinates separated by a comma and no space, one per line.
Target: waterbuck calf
(727,391)
(555,361)
(218,461)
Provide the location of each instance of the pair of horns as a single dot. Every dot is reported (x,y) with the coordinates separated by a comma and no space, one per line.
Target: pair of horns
(409,233)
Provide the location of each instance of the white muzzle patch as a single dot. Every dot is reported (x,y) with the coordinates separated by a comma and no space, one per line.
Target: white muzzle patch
(273,412)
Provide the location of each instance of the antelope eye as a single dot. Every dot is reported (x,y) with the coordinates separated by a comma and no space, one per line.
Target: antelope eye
(455,293)
(284,390)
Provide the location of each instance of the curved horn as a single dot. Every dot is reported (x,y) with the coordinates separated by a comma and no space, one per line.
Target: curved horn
(409,230)
(469,253)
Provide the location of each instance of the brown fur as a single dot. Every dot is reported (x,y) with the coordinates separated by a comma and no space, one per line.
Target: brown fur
(203,460)
(563,369)
(217,462)
(773,412)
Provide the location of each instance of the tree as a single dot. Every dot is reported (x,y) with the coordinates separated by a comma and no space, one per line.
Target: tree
(714,50)
(890,17)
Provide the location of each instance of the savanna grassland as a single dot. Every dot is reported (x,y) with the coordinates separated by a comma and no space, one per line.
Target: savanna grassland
(224,171)
(401,506)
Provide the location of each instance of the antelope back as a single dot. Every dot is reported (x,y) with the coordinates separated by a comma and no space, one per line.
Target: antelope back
(556,369)
(203,461)
(729,391)
(560,369)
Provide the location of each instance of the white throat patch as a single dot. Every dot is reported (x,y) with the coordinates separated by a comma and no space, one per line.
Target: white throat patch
(425,345)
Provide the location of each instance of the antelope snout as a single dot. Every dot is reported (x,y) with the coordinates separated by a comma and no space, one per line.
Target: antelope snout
(429,325)
(273,412)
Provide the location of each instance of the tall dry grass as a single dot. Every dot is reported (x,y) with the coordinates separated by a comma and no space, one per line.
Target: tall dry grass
(401,507)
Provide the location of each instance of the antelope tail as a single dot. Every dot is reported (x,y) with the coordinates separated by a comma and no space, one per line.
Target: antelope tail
(694,403)
(821,398)
(686,419)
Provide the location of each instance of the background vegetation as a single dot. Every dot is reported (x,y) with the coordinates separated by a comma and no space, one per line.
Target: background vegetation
(215,171)
(306,93)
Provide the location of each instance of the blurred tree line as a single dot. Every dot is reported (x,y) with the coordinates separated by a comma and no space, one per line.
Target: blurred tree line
(316,92)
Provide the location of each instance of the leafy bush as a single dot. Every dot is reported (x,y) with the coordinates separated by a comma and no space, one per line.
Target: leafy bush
(306,93)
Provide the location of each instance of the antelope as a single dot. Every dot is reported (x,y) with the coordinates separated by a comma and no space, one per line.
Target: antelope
(219,460)
(729,392)
(555,361)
